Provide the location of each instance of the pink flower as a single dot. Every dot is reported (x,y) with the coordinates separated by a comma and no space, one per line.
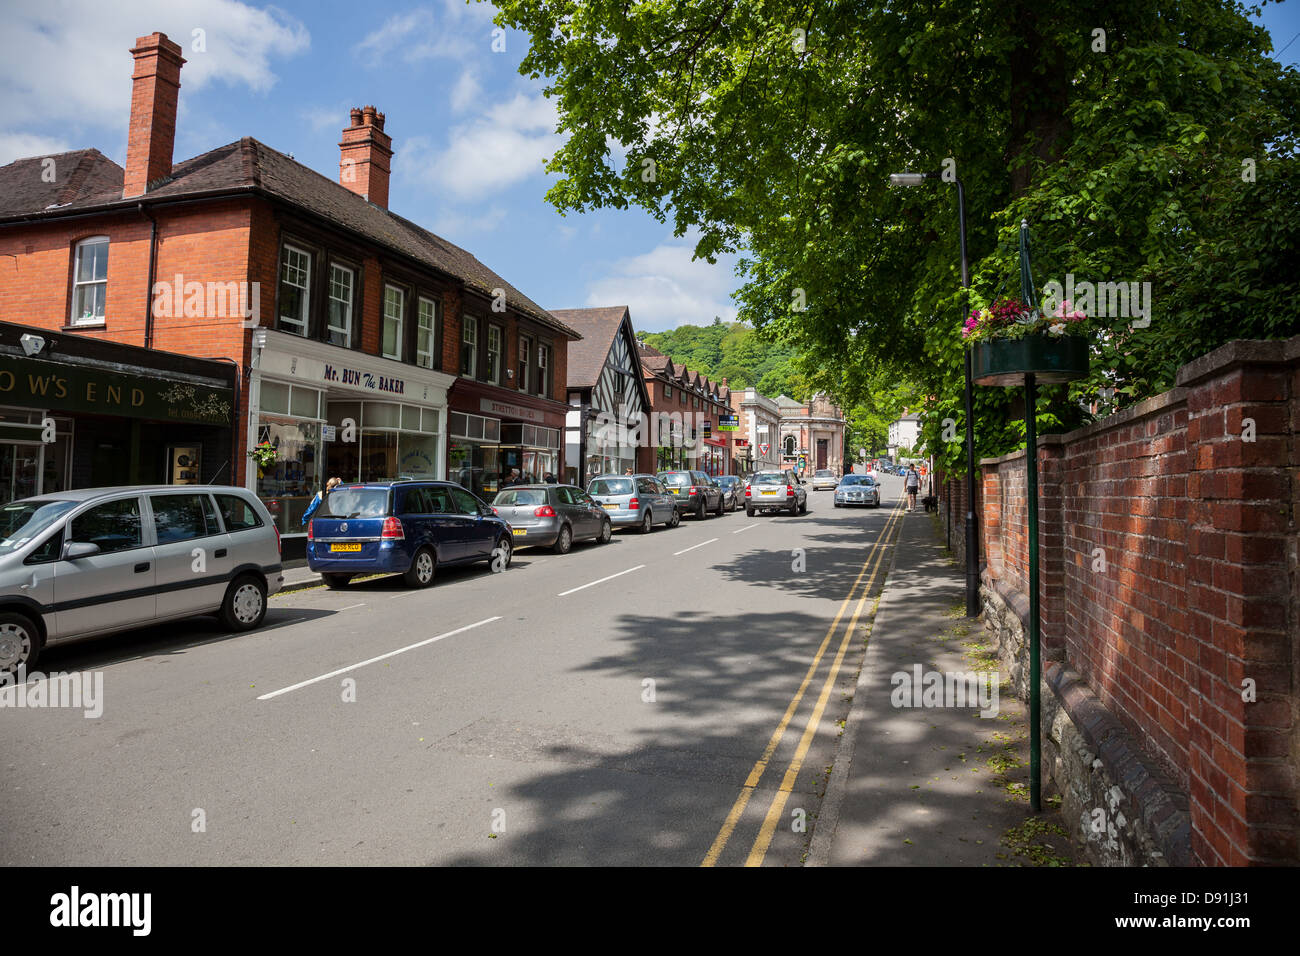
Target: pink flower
(1063,312)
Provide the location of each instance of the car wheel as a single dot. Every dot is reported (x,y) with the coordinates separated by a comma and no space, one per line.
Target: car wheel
(734,504)
(564,541)
(703,511)
(607,531)
(20,643)
(803,508)
(336,582)
(647,523)
(794,506)
(719,511)
(502,554)
(676,519)
(749,511)
(837,504)
(420,573)
(244,607)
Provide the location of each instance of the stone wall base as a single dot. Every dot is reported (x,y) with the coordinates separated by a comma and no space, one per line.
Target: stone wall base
(1116,799)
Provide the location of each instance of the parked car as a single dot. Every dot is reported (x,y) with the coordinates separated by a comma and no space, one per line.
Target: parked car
(409,528)
(733,490)
(552,516)
(79,564)
(635,501)
(696,492)
(857,490)
(775,490)
(823,478)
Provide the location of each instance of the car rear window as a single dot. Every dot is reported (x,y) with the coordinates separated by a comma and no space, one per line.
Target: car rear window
(611,486)
(823,473)
(355,503)
(237,513)
(676,479)
(528,497)
(768,478)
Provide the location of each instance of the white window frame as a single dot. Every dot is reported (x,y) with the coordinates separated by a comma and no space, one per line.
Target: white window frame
(283,321)
(543,368)
(525,359)
(73,318)
(401,312)
(424,359)
(469,336)
(494,368)
(330,327)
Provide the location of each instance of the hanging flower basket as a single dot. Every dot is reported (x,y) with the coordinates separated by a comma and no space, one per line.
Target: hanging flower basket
(1009,340)
(264,454)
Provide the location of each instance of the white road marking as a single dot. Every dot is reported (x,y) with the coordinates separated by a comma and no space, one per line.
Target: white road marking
(403,594)
(351,606)
(400,650)
(746,528)
(694,546)
(601,581)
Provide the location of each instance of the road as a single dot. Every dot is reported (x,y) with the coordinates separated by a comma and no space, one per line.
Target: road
(670,699)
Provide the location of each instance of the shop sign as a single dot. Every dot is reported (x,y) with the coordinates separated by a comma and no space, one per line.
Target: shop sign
(364,380)
(728,423)
(55,386)
(509,410)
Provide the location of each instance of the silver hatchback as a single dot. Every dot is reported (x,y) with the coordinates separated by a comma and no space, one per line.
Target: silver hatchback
(80,564)
(635,501)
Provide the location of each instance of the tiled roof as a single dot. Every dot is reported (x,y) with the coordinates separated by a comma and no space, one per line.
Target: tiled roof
(597,328)
(85,179)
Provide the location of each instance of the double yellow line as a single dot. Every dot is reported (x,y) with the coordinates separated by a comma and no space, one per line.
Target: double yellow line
(768,830)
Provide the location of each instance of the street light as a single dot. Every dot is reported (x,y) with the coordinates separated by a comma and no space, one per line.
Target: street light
(972,542)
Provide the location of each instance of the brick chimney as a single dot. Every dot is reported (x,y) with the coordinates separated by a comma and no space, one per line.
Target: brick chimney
(155,87)
(364,154)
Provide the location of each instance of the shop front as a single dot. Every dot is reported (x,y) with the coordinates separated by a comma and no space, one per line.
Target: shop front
(82,413)
(322,412)
(491,438)
(713,456)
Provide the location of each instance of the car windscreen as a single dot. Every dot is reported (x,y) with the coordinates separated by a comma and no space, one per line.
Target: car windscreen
(768,478)
(611,486)
(856,480)
(677,479)
(21,521)
(520,497)
(345,502)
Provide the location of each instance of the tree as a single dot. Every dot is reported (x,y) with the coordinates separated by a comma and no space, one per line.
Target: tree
(1120,132)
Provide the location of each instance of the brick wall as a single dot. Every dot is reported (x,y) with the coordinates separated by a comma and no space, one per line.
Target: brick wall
(1169,584)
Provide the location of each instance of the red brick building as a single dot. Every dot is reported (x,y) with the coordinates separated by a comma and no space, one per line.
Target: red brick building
(700,405)
(365,346)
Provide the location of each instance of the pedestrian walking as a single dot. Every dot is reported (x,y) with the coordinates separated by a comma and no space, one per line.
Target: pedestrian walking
(911,483)
(320,496)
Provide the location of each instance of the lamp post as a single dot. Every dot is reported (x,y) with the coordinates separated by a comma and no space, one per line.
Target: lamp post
(972,541)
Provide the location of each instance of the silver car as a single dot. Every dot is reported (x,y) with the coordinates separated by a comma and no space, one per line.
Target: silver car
(79,564)
(773,491)
(857,490)
(823,478)
(635,501)
(552,516)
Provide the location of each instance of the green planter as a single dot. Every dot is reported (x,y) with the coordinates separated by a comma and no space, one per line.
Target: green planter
(1051,358)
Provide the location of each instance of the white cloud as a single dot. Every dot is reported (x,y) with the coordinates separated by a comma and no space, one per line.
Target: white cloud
(462,31)
(665,288)
(16,145)
(467,92)
(486,155)
(58,66)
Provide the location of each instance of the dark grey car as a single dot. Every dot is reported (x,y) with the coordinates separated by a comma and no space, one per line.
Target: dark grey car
(635,501)
(733,491)
(696,493)
(552,516)
(78,564)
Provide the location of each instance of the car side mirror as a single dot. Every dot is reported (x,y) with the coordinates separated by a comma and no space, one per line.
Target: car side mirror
(79,549)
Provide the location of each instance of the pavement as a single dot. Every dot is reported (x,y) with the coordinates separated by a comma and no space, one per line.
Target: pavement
(912,786)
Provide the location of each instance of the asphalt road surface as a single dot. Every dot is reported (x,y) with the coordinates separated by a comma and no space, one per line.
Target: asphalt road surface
(670,699)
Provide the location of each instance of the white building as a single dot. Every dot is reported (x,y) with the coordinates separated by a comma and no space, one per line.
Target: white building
(760,426)
(904,433)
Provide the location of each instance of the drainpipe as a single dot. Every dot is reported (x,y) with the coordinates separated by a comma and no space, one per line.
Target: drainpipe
(153,263)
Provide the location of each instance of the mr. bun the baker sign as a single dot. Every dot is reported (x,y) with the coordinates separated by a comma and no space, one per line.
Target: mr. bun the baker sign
(367,380)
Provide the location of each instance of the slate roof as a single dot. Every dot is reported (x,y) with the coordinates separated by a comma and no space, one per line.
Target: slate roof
(597,327)
(86,180)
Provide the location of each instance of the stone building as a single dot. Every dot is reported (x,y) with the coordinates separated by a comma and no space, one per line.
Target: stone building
(812,434)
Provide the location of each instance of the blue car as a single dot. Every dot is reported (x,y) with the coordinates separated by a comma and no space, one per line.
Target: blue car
(409,528)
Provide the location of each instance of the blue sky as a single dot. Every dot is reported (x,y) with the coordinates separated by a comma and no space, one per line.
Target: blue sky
(470,134)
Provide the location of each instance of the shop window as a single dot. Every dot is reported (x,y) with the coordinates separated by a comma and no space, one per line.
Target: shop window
(90,281)
(394,309)
(339,331)
(114,526)
(494,354)
(425,332)
(525,348)
(295,282)
(469,347)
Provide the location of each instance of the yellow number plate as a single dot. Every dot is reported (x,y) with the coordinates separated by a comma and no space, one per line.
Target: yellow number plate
(335,548)
(519,532)
(611,507)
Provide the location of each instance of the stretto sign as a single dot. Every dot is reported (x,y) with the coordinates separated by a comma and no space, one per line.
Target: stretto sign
(36,383)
